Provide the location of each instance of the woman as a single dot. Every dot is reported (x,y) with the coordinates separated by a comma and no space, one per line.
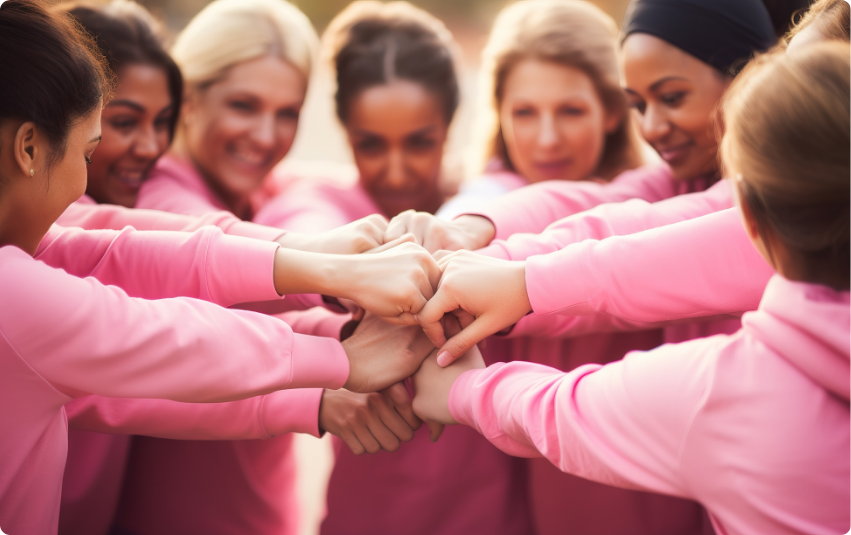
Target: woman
(396,95)
(50,128)
(755,424)
(554,109)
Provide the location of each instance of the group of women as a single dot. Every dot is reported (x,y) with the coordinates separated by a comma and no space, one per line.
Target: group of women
(683,181)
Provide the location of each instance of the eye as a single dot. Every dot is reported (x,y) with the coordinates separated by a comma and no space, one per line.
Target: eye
(421,143)
(123,123)
(372,145)
(638,105)
(571,111)
(672,99)
(523,112)
(163,122)
(241,105)
(289,113)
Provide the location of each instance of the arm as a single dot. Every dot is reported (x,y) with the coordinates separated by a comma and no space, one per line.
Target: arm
(622,424)
(616,219)
(86,338)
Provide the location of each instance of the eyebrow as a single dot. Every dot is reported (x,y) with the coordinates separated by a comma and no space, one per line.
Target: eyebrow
(658,83)
(129,104)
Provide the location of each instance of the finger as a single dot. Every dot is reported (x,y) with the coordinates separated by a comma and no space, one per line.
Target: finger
(379,222)
(464,317)
(430,315)
(405,318)
(364,435)
(451,325)
(441,254)
(403,405)
(352,442)
(448,258)
(386,438)
(358,314)
(398,225)
(395,424)
(464,341)
(405,238)
(435,430)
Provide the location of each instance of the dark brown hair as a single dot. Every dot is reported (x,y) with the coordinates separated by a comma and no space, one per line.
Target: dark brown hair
(52,73)
(788,140)
(373,44)
(128,35)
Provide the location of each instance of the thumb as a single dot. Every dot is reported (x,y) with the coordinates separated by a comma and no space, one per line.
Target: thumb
(464,341)
(430,316)
(434,430)
(405,238)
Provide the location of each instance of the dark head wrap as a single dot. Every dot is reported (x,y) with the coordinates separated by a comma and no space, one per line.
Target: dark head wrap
(723,33)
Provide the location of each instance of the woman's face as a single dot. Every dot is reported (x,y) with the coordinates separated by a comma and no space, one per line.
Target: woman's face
(553,122)
(397,132)
(674,96)
(239,127)
(135,127)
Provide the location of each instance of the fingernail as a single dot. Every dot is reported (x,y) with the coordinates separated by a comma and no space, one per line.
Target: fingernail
(443,358)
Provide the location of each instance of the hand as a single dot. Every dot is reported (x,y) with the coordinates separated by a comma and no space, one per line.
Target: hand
(369,422)
(381,354)
(492,291)
(394,284)
(466,232)
(432,385)
(356,237)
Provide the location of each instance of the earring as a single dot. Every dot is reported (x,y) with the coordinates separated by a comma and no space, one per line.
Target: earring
(32,172)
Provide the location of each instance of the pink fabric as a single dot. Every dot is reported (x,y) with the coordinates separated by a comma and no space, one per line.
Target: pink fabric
(754,425)
(459,485)
(87,214)
(532,208)
(180,348)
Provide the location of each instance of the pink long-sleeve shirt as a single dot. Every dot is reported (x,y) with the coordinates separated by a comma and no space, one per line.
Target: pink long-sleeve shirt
(754,425)
(181,349)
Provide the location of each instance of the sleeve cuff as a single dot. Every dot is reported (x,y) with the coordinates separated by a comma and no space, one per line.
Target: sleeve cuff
(246,229)
(555,282)
(318,363)
(496,249)
(241,270)
(461,397)
(291,411)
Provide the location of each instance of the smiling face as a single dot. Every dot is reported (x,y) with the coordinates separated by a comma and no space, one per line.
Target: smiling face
(397,133)
(674,96)
(135,128)
(553,121)
(239,127)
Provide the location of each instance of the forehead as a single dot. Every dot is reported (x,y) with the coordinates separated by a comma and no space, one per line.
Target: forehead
(646,58)
(397,108)
(267,78)
(535,79)
(86,128)
(143,84)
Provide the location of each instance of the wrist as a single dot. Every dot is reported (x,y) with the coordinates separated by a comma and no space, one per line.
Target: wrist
(479,230)
(301,272)
(295,241)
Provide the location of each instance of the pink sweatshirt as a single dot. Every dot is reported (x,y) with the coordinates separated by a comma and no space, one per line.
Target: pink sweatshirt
(754,425)
(152,348)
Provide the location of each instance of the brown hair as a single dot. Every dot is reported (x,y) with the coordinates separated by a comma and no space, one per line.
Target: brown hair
(372,44)
(833,18)
(573,33)
(787,121)
(53,74)
(127,34)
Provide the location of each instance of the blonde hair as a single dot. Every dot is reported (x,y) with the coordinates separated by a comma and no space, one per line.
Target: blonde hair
(787,137)
(832,17)
(573,33)
(372,43)
(230,32)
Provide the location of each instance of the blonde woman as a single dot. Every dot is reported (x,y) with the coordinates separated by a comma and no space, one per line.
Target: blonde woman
(552,107)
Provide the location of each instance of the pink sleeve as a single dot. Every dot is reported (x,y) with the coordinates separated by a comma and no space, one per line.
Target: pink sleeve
(622,424)
(87,338)
(155,264)
(260,417)
(531,208)
(316,322)
(702,267)
(616,219)
(108,216)
(302,210)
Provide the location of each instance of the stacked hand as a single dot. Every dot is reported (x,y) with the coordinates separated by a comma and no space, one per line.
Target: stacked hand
(433,234)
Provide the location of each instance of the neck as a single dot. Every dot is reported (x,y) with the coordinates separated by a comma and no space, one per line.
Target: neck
(20,227)
(240,206)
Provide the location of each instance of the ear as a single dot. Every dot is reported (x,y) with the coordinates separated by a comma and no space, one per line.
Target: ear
(28,148)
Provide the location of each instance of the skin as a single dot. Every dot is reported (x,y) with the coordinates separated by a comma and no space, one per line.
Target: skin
(29,205)
(135,125)
(397,134)
(240,127)
(673,95)
(553,122)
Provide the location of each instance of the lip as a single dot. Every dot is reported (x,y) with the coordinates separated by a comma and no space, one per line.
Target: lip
(261,161)
(131,178)
(554,168)
(676,154)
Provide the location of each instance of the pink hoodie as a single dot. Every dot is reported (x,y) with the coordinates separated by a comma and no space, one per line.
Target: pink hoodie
(151,348)
(754,425)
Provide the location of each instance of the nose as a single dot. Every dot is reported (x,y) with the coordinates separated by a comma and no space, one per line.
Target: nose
(548,134)
(395,176)
(146,145)
(654,124)
(263,134)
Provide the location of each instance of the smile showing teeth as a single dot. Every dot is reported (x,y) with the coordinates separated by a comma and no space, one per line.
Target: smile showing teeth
(131,179)
(249,156)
